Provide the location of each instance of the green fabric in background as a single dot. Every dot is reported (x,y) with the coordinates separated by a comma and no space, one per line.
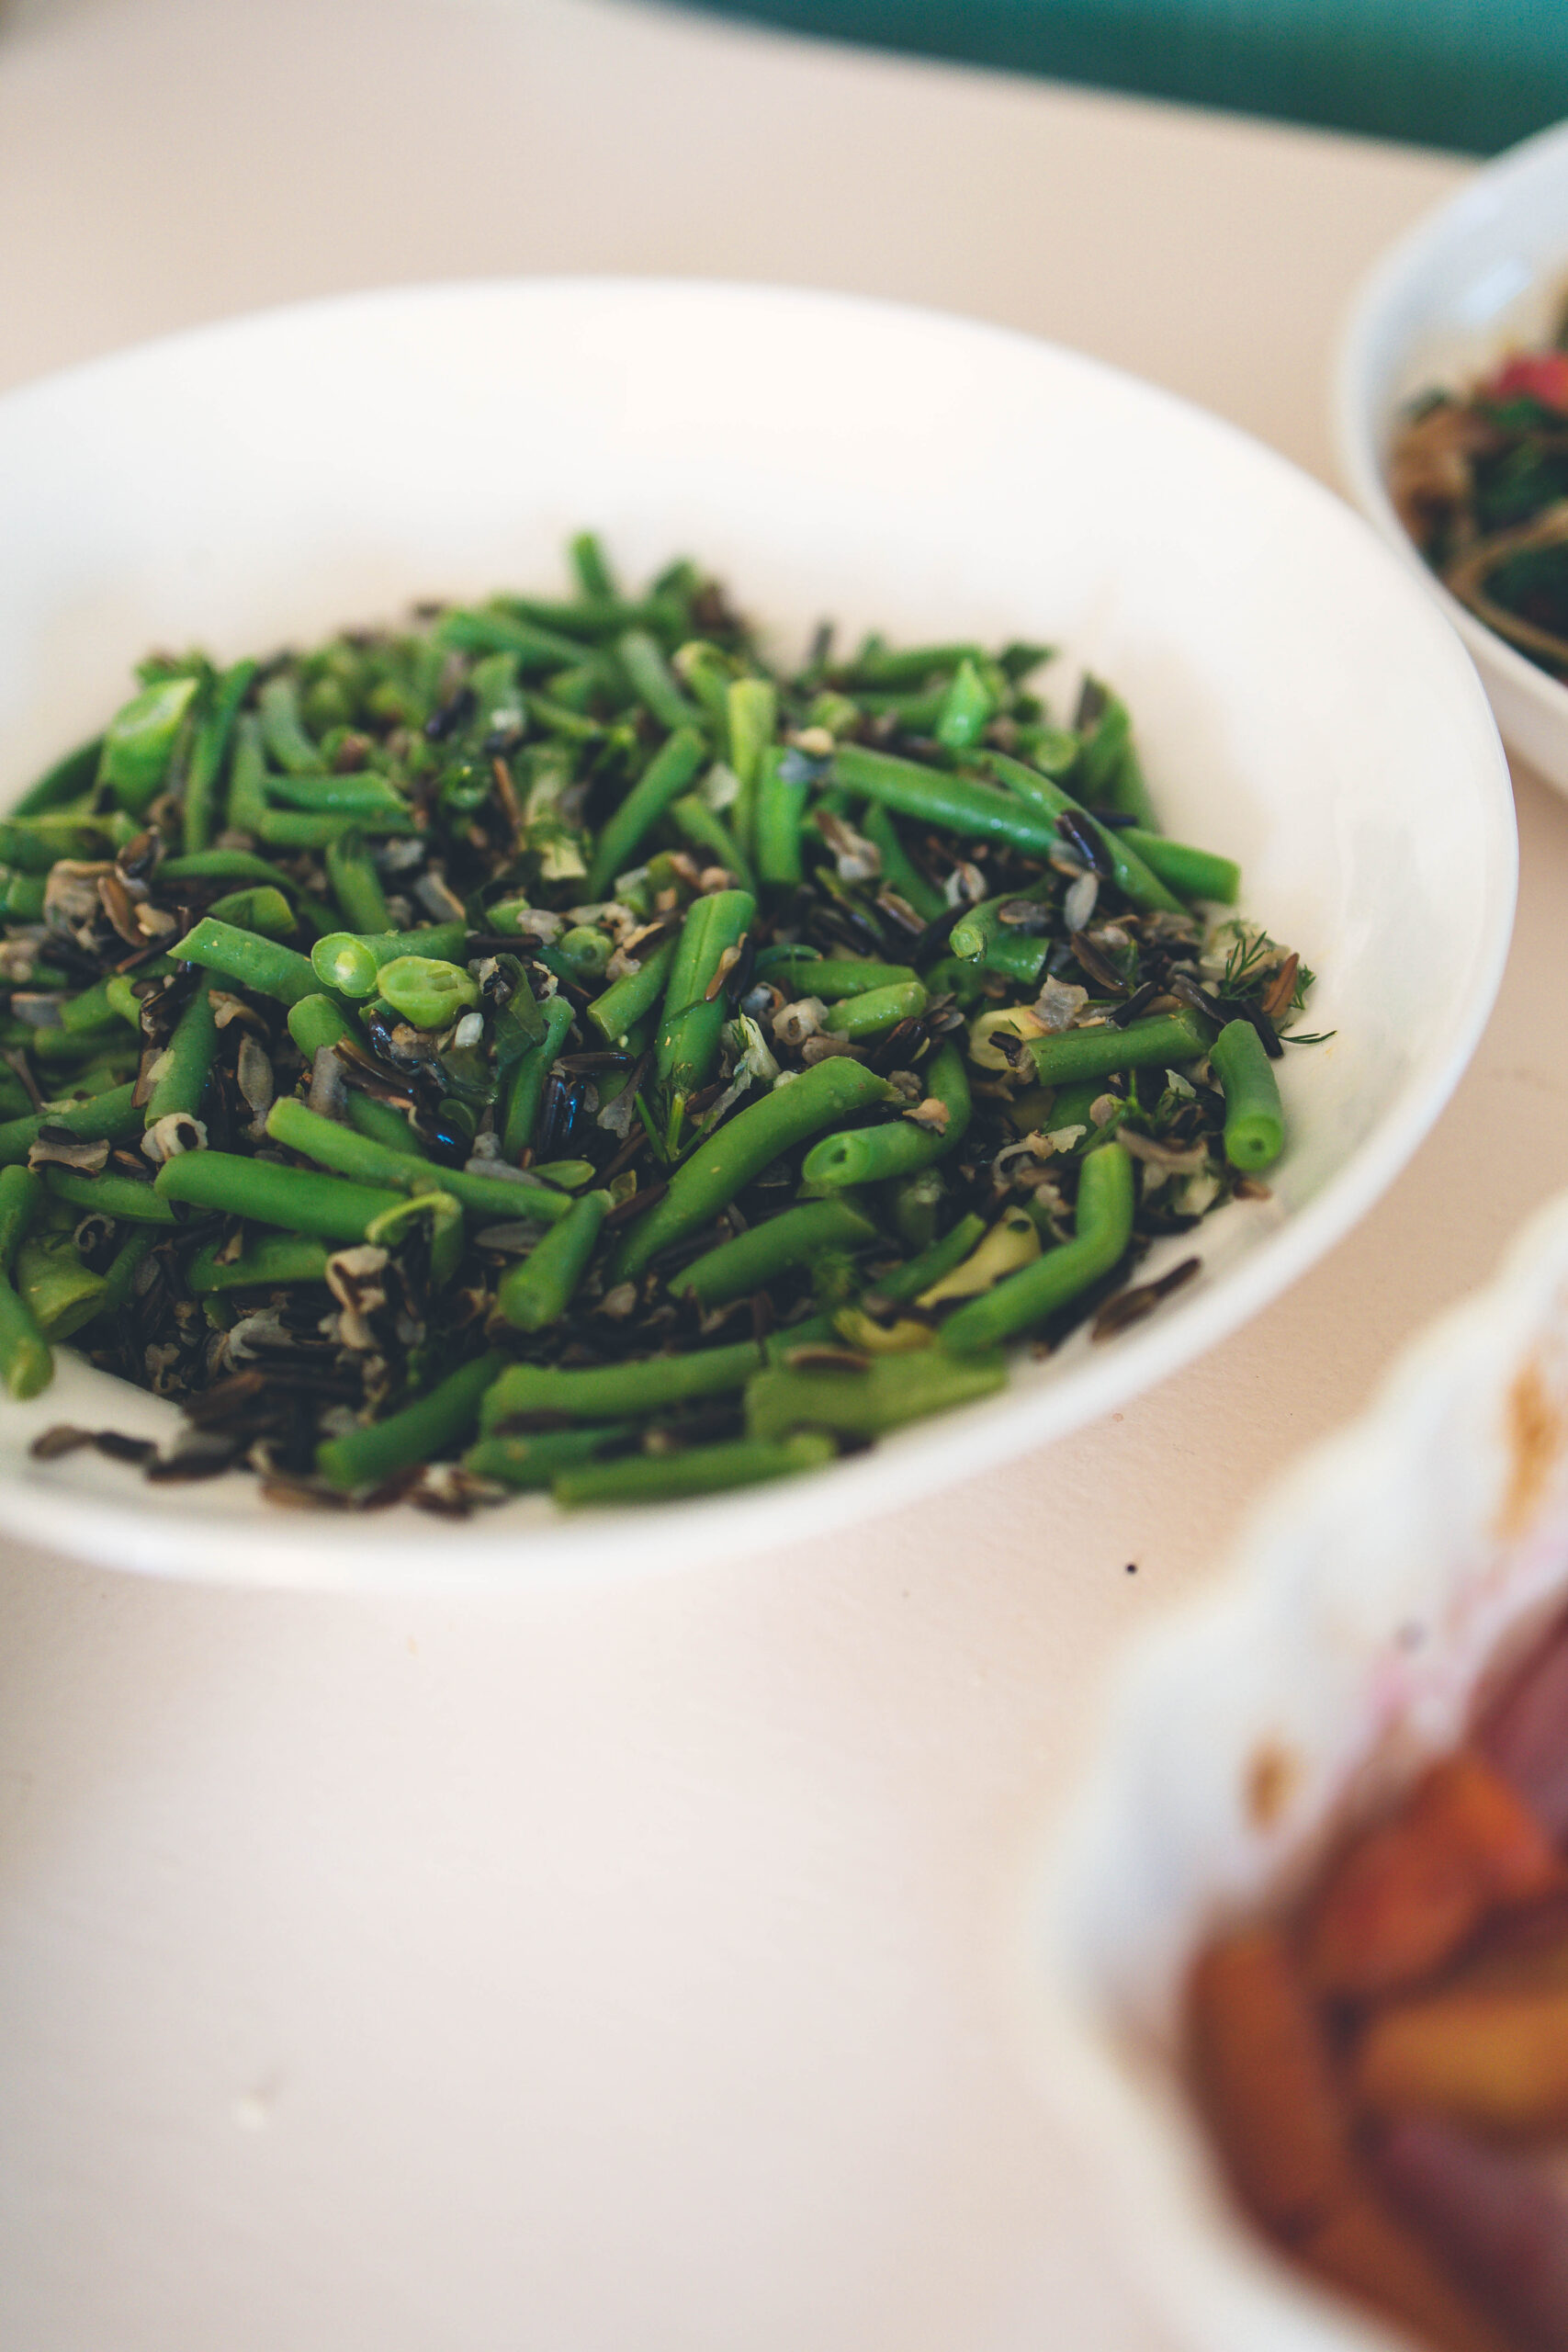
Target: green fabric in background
(1470,75)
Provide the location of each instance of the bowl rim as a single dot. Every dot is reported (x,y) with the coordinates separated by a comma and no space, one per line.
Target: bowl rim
(1354,431)
(328,1551)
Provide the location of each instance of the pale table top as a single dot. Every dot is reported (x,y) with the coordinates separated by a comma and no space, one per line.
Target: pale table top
(635,1970)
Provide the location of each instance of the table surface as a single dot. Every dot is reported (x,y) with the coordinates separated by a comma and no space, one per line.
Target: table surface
(638,1968)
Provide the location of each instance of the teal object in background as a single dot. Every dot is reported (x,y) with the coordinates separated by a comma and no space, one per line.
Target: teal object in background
(1472,75)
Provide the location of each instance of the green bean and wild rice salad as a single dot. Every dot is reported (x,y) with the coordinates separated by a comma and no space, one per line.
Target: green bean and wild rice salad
(547,1045)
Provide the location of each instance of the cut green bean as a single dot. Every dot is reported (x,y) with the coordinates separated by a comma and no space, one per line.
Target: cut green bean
(705,829)
(1109,775)
(140,740)
(259,908)
(356,884)
(728,1160)
(296,1198)
(315,1021)
(27,1361)
(892,1389)
(829,978)
(875,1011)
(752,716)
(272,1258)
(663,780)
(382,1121)
(283,733)
(1102,1051)
(186,1063)
(685,1046)
(695,1470)
(1255,1118)
(899,872)
(361,793)
(1102,1227)
(116,1197)
(538,1289)
(209,749)
(1134,876)
(1191,872)
(361,1157)
(781,795)
(917,1274)
(608,1392)
(966,709)
(69,779)
(57,1291)
(427,990)
(876,1155)
(753,1259)
(954,803)
(264,965)
(523,1092)
(428,1427)
(114,1116)
(653,682)
(627,1000)
(530,1462)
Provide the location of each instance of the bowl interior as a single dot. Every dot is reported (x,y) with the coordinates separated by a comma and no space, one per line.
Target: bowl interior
(1299,704)
(1484,273)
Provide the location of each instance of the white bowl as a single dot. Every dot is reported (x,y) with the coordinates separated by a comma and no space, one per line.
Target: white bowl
(1486,272)
(1299,705)
(1375,1586)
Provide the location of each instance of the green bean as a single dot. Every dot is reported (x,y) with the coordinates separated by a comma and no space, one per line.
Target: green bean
(1102,1227)
(349,1153)
(186,1063)
(536,649)
(752,716)
(55,1288)
(27,1361)
(663,780)
(427,990)
(140,740)
(966,709)
(341,961)
(260,907)
(934,797)
(116,1197)
(296,1198)
(538,1289)
(315,1021)
(92,1008)
(533,1462)
(1016,956)
(382,1121)
(653,682)
(1255,1119)
(1108,772)
(225,866)
(356,885)
(728,1160)
(525,1086)
(1191,873)
(365,1457)
(781,810)
(877,665)
(247,776)
(35,844)
(876,1012)
(360,793)
(873,1155)
(1132,875)
(974,932)
(264,965)
(757,1257)
(709,674)
(1102,1051)
(277,706)
(594,580)
(120,1277)
(685,1046)
(799,973)
(22,899)
(607,1392)
(899,872)
(626,1000)
(892,1389)
(69,779)
(917,1274)
(705,829)
(208,749)
(280,1258)
(114,1115)
(695,1470)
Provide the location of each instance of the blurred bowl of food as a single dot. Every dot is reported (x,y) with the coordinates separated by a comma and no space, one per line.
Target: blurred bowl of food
(1451,416)
(1300,708)
(1283,1864)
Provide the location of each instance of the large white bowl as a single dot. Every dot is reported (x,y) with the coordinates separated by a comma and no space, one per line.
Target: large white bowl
(1374,1588)
(1299,705)
(1486,272)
